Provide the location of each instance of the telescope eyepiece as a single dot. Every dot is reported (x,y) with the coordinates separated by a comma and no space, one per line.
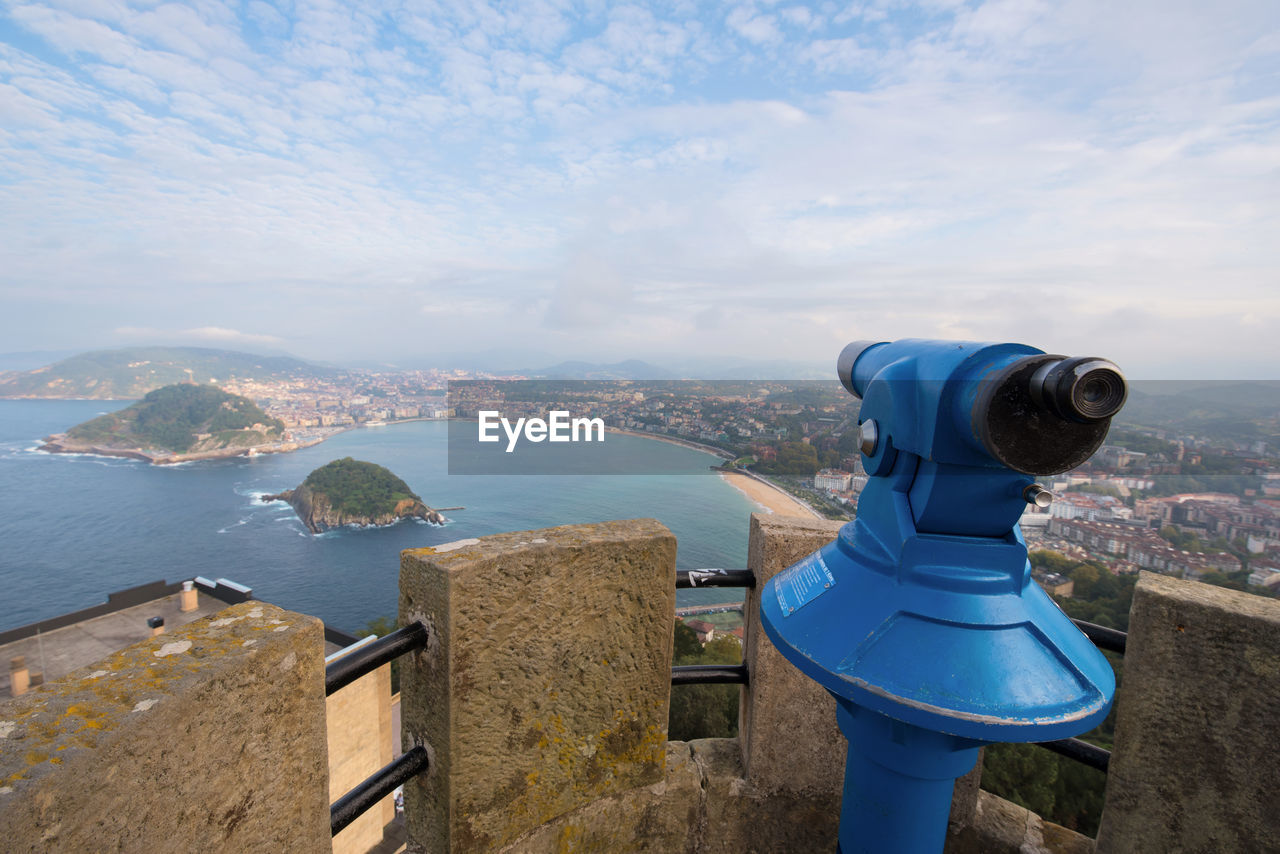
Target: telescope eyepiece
(1085,390)
(844,364)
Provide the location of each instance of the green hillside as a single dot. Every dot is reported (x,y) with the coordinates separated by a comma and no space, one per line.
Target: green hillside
(357,488)
(182,418)
(1237,411)
(129,373)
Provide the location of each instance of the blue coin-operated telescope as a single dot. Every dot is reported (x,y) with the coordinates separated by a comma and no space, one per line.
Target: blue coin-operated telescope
(921,617)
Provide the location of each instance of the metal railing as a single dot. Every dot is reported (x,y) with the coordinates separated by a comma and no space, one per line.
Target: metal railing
(369,655)
(1103,637)
(361,659)
(693,578)
(710,674)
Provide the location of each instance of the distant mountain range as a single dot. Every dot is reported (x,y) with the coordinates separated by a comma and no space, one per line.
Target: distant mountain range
(28,359)
(131,372)
(632,369)
(635,369)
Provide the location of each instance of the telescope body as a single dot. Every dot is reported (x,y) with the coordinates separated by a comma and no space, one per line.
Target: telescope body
(921,618)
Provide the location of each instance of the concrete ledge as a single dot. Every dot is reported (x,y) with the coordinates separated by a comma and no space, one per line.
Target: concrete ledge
(1001,827)
(208,738)
(664,816)
(702,806)
(1194,767)
(705,806)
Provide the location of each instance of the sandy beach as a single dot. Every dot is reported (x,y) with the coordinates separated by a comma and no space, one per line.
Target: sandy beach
(772,499)
(768,497)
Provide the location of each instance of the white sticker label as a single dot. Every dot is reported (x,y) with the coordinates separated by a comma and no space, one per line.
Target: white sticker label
(801,583)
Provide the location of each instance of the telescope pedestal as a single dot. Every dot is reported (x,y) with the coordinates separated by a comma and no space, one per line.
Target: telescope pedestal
(898,783)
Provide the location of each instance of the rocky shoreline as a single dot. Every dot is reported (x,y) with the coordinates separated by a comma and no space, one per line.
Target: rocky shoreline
(319,516)
(59,444)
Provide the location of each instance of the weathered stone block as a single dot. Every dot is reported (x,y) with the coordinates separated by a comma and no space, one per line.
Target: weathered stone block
(790,740)
(743,820)
(546,681)
(703,806)
(1195,767)
(1001,827)
(664,816)
(210,738)
(964,800)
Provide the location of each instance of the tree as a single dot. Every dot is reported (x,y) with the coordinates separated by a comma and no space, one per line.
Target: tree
(704,711)
(687,646)
(1052,561)
(1086,577)
(1022,773)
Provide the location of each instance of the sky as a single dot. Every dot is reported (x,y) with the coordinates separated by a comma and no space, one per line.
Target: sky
(665,181)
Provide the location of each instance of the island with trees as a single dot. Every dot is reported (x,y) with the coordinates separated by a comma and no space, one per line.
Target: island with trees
(178,423)
(353,492)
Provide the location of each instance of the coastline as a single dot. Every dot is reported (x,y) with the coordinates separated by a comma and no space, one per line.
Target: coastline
(759,491)
(57,444)
(769,497)
(673,440)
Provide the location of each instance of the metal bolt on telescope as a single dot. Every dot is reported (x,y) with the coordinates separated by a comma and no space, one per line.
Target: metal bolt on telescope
(921,617)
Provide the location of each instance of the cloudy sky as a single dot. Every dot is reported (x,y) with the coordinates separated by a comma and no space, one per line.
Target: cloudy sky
(663,181)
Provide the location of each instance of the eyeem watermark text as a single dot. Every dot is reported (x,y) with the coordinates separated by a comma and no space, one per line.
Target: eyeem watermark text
(558,427)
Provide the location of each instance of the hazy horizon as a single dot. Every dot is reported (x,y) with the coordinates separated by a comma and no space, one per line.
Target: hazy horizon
(672,182)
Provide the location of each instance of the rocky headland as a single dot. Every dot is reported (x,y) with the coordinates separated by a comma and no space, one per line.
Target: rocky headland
(178,423)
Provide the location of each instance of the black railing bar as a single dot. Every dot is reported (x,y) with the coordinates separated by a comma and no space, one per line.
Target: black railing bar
(710,674)
(1081,751)
(370,657)
(1103,637)
(383,782)
(686,578)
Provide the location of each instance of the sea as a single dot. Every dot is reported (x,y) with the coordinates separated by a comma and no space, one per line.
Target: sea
(74,528)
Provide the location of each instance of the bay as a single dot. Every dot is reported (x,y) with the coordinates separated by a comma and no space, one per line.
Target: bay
(74,528)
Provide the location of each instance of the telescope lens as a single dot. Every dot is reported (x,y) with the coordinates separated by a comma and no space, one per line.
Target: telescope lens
(1097,391)
(1084,390)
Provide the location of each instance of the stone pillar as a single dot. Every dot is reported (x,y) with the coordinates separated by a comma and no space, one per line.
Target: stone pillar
(790,741)
(546,680)
(188,598)
(1195,767)
(211,738)
(19,676)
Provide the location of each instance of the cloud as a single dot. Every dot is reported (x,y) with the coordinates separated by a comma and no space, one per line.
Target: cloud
(211,334)
(763,179)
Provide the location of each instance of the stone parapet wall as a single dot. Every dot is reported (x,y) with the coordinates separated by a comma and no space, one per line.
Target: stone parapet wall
(542,699)
(543,641)
(209,738)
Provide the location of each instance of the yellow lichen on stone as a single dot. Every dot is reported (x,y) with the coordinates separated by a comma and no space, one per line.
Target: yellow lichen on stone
(569,835)
(78,709)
